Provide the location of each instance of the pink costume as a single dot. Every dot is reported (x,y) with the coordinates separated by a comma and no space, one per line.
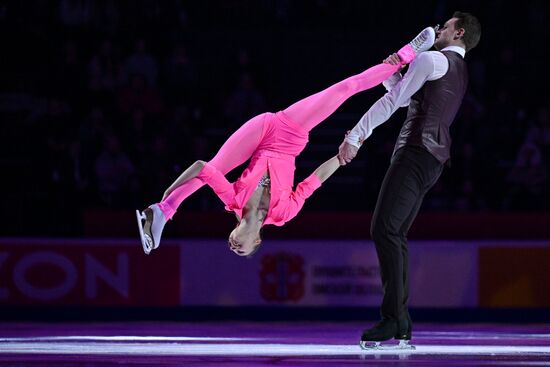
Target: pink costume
(272,141)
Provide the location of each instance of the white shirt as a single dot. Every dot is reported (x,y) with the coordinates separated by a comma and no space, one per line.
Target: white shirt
(427,66)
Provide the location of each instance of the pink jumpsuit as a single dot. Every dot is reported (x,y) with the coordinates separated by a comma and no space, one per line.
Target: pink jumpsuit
(272,141)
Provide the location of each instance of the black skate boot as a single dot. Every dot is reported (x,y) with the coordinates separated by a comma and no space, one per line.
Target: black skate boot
(382,331)
(385,330)
(404,332)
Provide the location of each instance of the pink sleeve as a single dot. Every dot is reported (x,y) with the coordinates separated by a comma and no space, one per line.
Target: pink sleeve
(302,192)
(217,181)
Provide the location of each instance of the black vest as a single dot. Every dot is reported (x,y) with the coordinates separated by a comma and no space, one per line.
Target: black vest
(433,108)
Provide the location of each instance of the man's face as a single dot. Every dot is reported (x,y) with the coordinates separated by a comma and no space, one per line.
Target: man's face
(446,35)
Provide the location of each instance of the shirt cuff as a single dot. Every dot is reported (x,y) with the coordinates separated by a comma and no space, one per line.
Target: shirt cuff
(353,141)
(313,182)
(306,188)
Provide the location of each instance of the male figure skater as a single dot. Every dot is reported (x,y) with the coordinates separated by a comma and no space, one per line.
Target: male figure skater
(433,88)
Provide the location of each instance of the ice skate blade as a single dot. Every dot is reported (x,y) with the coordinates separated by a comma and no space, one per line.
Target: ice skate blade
(146,241)
(403,345)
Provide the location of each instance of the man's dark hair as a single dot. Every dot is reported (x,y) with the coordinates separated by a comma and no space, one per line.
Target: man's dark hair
(472,28)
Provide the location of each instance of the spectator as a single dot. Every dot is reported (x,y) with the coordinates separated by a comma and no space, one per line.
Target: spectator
(114,172)
(142,63)
(139,95)
(180,76)
(528,176)
(245,102)
(104,69)
(75,13)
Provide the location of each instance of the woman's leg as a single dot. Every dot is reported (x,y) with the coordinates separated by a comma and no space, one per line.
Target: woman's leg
(311,111)
(235,151)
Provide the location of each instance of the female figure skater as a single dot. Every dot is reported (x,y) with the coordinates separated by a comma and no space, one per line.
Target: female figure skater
(263,194)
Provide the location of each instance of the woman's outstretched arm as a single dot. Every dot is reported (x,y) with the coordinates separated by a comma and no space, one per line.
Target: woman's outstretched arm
(187,175)
(326,169)
(306,188)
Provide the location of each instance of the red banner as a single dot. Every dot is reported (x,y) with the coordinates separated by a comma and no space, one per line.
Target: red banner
(106,273)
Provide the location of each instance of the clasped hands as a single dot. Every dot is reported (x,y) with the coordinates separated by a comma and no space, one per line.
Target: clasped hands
(346,152)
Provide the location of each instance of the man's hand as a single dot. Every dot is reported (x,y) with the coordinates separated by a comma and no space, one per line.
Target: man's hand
(346,153)
(393,59)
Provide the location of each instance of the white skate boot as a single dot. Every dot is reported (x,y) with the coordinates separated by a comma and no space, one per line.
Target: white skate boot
(422,42)
(150,223)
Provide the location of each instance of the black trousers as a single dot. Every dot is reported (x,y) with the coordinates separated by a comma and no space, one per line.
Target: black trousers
(412,172)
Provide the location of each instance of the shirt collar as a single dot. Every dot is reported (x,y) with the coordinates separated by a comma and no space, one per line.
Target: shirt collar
(459,50)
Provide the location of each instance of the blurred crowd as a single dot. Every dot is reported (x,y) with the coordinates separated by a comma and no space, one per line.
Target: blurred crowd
(103,103)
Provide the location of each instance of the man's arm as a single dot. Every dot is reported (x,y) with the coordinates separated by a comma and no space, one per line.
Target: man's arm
(392,81)
(419,71)
(389,83)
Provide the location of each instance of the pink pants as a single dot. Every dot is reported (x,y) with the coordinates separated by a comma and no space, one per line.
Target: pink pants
(307,113)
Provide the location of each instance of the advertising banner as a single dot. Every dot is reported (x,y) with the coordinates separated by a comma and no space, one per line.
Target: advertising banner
(81,272)
(324,273)
(204,272)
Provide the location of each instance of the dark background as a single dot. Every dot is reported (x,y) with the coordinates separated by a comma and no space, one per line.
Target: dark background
(104,103)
